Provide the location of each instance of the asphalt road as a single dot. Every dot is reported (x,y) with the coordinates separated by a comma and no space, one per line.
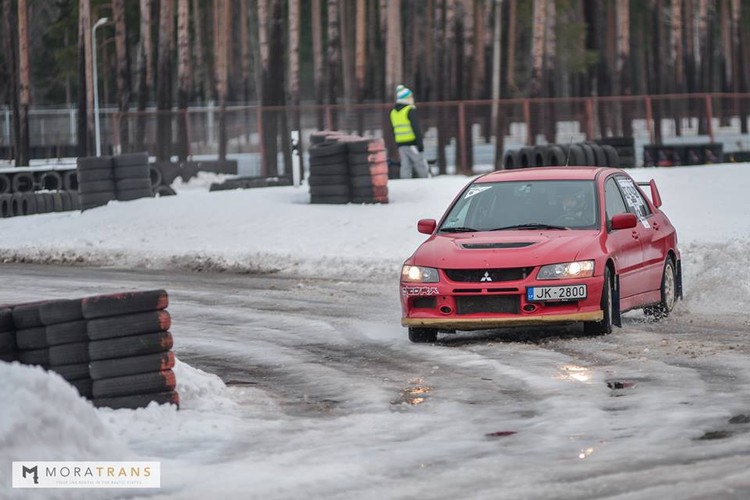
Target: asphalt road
(668,403)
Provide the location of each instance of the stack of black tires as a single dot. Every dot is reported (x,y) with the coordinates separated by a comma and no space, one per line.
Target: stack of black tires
(329,170)
(368,170)
(29,193)
(7,335)
(625,147)
(105,178)
(114,349)
(96,181)
(133,177)
(347,169)
(130,349)
(552,155)
(65,332)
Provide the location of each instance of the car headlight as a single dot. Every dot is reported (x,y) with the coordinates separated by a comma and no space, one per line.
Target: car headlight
(579,269)
(419,274)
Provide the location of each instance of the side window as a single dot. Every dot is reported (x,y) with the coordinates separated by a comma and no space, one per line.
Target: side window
(634,200)
(613,199)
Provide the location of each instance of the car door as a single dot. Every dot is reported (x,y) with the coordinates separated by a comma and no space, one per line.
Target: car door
(649,227)
(625,244)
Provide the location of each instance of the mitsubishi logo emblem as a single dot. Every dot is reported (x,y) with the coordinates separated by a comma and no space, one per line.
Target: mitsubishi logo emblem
(486,277)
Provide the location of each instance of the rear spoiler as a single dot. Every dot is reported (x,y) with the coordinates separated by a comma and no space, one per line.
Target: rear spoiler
(655,196)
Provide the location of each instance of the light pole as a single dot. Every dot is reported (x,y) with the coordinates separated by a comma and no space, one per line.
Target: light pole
(96,85)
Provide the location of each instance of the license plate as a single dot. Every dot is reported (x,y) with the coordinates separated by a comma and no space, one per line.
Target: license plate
(566,292)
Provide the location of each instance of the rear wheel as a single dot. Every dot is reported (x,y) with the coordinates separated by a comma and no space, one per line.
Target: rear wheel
(422,335)
(604,326)
(668,293)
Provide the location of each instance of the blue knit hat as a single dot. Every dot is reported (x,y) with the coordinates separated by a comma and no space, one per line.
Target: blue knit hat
(402,93)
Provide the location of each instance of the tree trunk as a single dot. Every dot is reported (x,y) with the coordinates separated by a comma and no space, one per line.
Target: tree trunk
(11,52)
(393,51)
(498,115)
(145,72)
(24,80)
(318,62)
(222,35)
(200,83)
(622,70)
(164,83)
(360,59)
(294,97)
(183,77)
(85,18)
(123,74)
(334,56)
(537,66)
(549,76)
(347,42)
(440,81)
(512,20)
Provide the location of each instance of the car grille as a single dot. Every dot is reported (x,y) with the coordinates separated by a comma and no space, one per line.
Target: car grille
(488,275)
(471,304)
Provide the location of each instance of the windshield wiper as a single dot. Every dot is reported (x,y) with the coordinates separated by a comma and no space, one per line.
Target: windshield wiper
(458,230)
(530,225)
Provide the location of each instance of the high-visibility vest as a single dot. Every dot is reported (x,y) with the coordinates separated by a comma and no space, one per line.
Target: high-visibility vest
(402,130)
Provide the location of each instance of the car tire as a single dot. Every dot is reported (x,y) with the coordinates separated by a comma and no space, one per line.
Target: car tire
(119,367)
(511,159)
(75,371)
(69,354)
(125,347)
(66,333)
(668,293)
(138,400)
(422,335)
(60,311)
(100,306)
(32,338)
(604,326)
(128,325)
(7,342)
(129,385)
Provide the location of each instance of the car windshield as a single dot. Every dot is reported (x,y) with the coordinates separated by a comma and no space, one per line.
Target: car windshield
(524,205)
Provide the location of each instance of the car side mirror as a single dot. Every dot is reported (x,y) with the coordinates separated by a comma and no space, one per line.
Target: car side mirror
(426,226)
(623,221)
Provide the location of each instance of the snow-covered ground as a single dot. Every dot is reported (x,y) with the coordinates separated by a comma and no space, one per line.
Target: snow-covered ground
(277,230)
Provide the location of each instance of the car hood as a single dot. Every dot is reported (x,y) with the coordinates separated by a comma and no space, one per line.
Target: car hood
(506,249)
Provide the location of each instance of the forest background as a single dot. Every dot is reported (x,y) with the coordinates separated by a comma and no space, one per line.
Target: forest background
(167,56)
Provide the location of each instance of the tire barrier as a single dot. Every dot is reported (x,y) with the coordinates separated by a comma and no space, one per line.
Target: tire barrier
(329,170)
(95,181)
(247,183)
(133,177)
(347,169)
(7,335)
(554,155)
(673,155)
(623,146)
(115,349)
(368,170)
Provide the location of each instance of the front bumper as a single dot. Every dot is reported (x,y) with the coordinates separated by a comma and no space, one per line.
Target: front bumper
(488,323)
(449,305)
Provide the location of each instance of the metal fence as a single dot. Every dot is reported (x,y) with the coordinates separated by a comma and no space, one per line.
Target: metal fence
(462,136)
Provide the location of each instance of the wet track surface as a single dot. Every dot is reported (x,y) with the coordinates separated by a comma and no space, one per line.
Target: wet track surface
(667,405)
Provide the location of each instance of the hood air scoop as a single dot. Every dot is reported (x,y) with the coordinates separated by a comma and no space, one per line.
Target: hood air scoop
(484,246)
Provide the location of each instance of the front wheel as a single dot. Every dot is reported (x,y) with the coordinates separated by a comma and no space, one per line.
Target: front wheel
(604,326)
(422,335)
(668,293)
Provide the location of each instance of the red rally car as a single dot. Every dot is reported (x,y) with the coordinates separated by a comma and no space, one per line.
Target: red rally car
(542,246)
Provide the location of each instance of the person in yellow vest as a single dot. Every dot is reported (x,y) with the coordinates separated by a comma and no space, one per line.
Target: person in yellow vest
(408,135)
